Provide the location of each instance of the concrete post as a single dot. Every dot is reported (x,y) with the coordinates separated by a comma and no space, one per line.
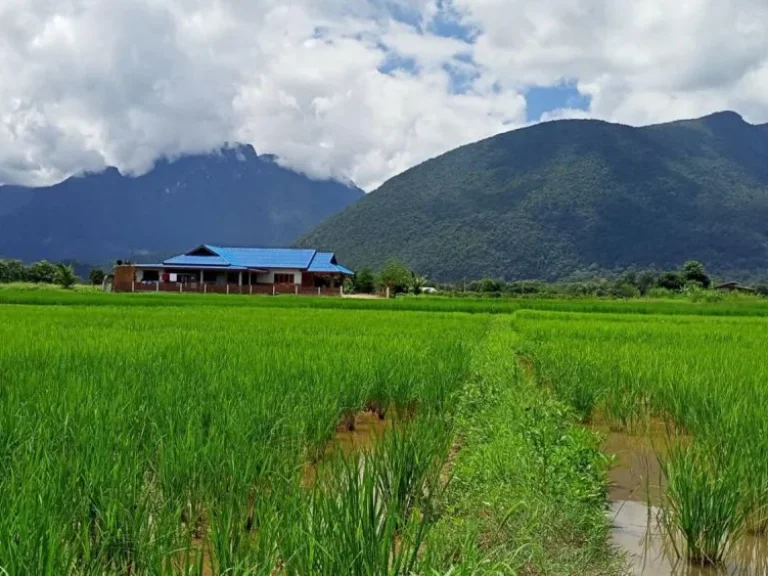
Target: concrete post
(318,290)
(227,287)
(341,290)
(273,289)
(133,286)
(181,287)
(250,286)
(296,289)
(205,288)
(387,292)
(240,278)
(157,286)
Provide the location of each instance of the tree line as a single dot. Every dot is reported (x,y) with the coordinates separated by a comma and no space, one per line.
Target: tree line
(45,272)
(691,277)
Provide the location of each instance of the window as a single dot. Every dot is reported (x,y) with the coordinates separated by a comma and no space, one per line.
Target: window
(210,275)
(151,276)
(284,278)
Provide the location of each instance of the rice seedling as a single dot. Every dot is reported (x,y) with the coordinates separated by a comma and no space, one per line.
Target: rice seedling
(159,434)
(703,503)
(704,376)
(158,440)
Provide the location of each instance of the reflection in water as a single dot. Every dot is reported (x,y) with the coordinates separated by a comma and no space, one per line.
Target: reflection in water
(650,552)
(637,479)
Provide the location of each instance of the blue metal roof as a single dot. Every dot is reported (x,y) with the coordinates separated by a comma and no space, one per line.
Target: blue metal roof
(265,257)
(260,258)
(326,262)
(185,260)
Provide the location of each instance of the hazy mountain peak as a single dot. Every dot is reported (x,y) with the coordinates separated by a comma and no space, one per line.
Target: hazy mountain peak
(225,197)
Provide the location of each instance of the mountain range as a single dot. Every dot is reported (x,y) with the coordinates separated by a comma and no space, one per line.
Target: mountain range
(231,197)
(558,200)
(570,198)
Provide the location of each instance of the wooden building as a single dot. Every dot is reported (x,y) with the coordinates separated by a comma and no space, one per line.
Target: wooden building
(229,270)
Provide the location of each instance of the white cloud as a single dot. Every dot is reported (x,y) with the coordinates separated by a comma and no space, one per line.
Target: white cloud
(640,60)
(90,83)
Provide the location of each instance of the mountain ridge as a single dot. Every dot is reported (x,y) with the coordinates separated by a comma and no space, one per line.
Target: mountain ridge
(561,198)
(231,196)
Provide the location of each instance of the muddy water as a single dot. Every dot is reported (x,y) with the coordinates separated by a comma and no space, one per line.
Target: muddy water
(368,427)
(636,474)
(636,531)
(637,483)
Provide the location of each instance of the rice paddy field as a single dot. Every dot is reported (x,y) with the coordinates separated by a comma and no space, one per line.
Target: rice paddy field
(165,435)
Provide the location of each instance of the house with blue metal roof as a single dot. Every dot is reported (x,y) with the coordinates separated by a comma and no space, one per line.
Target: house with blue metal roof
(210,268)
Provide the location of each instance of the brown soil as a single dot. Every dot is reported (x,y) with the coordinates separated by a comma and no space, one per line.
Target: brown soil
(367,428)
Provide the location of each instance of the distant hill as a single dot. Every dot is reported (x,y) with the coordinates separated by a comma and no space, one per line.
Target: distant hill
(233,197)
(562,198)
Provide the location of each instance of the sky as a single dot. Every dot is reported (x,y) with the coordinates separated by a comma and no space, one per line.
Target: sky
(356,90)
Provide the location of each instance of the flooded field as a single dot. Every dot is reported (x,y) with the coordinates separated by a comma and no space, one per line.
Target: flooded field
(637,485)
(694,482)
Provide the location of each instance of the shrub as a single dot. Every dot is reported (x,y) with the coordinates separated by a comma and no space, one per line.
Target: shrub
(65,276)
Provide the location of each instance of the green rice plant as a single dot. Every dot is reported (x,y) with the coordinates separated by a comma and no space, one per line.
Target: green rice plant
(407,465)
(347,526)
(702,504)
(164,439)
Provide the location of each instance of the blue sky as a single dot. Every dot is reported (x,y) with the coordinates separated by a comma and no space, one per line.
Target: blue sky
(447,23)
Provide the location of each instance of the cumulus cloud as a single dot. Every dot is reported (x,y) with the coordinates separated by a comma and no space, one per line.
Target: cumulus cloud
(640,61)
(351,89)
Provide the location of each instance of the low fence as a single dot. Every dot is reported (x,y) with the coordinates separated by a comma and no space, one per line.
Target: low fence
(254,289)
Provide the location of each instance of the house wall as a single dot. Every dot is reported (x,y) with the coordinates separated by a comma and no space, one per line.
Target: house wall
(221,277)
(269,277)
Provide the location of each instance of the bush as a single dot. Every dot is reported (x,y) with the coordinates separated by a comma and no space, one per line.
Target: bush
(671,281)
(625,290)
(395,276)
(96,276)
(693,272)
(12,271)
(65,276)
(42,272)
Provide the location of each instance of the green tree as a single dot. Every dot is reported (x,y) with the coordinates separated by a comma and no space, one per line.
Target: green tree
(417,283)
(395,276)
(645,281)
(671,281)
(693,271)
(364,281)
(96,276)
(489,285)
(65,276)
(14,271)
(42,272)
